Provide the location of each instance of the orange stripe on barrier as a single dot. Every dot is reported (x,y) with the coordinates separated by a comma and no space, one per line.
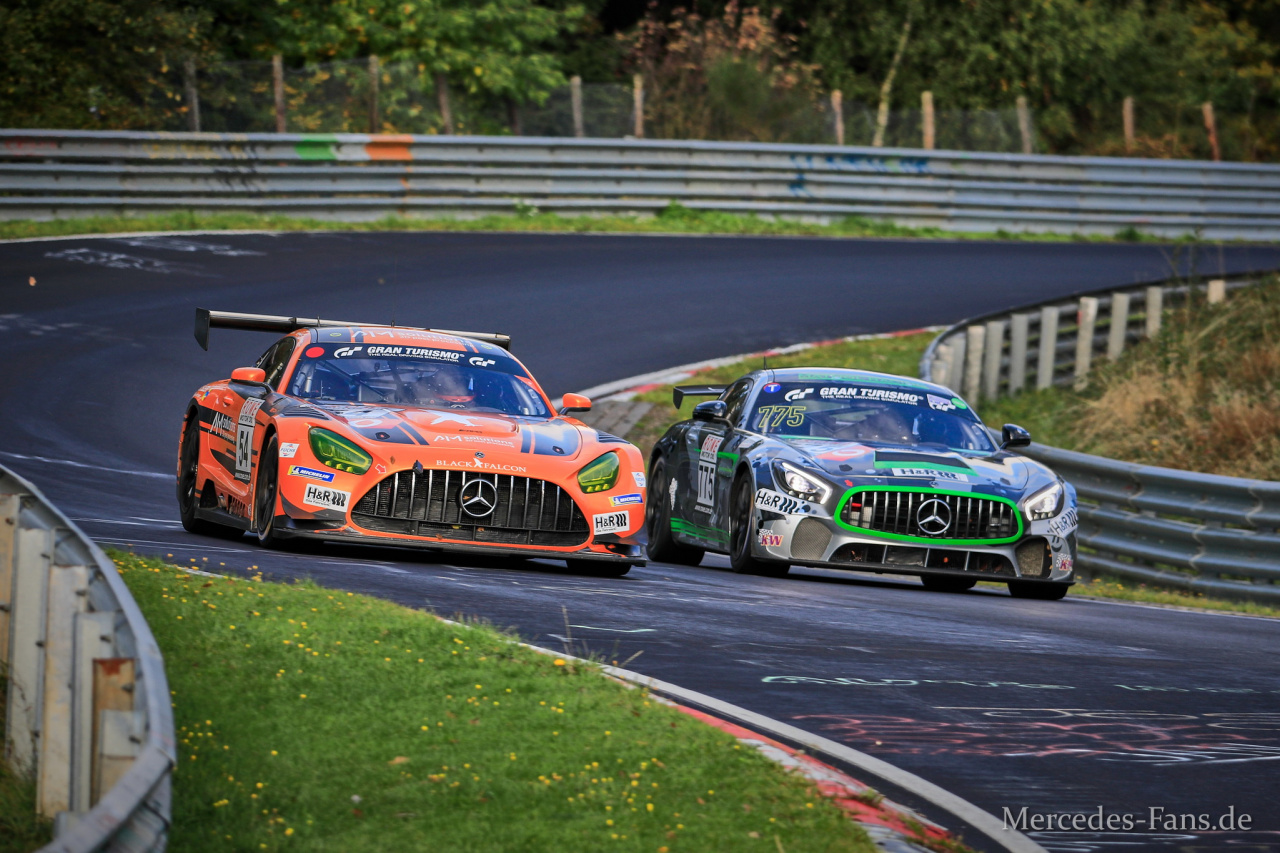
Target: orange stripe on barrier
(389,147)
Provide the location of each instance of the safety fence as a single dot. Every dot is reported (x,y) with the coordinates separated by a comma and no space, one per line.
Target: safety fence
(49,174)
(88,712)
(1199,532)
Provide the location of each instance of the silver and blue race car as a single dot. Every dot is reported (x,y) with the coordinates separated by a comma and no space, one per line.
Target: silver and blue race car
(861,471)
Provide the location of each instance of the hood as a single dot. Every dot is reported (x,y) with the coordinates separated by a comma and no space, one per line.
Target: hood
(460,429)
(932,468)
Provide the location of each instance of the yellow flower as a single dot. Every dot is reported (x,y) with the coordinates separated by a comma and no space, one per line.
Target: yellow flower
(559,662)
(302,695)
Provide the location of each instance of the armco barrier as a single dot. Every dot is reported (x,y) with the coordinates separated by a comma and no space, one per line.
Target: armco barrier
(88,712)
(45,174)
(1200,532)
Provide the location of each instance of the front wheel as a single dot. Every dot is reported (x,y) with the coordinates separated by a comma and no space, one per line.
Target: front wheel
(1038,591)
(742,530)
(937,583)
(264,496)
(657,522)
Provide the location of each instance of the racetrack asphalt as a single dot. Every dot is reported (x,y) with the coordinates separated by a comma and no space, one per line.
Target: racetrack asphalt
(1053,706)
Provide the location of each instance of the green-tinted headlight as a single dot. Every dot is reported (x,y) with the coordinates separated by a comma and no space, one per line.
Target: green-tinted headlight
(337,452)
(601,475)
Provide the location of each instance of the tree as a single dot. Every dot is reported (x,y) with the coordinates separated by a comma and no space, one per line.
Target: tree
(96,63)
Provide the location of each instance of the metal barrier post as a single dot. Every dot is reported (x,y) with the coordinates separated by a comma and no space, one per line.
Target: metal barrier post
(1087,317)
(991,359)
(1154,308)
(1119,325)
(1018,326)
(1048,356)
(973,362)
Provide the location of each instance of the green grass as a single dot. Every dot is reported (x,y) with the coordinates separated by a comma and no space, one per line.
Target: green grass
(1123,590)
(675,219)
(21,830)
(312,719)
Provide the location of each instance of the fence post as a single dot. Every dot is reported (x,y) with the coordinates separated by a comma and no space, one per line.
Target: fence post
(1119,325)
(33,555)
(193,95)
(68,586)
(926,116)
(973,362)
(1155,309)
(375,123)
(837,112)
(637,104)
(442,99)
(575,103)
(1018,325)
(94,640)
(1128,123)
(1086,320)
(1211,126)
(9,507)
(1217,291)
(1048,347)
(1024,123)
(993,350)
(955,363)
(113,687)
(277,86)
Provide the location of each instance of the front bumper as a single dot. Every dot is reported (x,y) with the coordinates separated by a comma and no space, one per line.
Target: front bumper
(620,551)
(816,539)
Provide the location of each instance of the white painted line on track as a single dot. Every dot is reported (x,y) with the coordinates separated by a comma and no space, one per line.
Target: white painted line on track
(616,630)
(49,461)
(177,546)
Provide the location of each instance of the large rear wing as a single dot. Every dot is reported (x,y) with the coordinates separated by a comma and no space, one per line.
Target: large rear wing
(679,392)
(206,320)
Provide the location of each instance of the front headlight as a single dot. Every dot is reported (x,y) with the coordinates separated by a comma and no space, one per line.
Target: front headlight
(1045,503)
(600,475)
(337,452)
(800,483)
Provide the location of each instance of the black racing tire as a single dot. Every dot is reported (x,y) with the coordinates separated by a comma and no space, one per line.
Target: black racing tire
(598,568)
(662,547)
(189,485)
(264,496)
(1038,591)
(939,583)
(741,531)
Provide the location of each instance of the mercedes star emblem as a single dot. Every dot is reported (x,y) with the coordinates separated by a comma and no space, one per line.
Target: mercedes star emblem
(933,517)
(478,498)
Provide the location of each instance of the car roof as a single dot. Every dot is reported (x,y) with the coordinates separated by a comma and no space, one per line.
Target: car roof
(845,374)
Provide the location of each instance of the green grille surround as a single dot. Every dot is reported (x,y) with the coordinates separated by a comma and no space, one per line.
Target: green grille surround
(934,541)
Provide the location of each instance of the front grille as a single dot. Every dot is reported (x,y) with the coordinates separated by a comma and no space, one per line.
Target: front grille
(426,503)
(899,512)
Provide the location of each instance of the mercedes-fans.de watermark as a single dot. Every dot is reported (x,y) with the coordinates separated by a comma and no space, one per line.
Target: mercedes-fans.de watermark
(1153,819)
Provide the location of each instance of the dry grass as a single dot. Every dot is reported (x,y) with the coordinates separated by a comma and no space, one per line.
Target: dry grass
(1204,395)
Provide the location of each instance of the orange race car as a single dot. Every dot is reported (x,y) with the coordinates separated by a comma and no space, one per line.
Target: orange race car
(343,432)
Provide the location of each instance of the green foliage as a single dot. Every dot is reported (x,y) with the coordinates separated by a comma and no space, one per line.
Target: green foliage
(21,829)
(86,64)
(494,47)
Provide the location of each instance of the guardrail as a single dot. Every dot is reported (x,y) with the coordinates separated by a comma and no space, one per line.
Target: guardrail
(47,174)
(1199,532)
(88,711)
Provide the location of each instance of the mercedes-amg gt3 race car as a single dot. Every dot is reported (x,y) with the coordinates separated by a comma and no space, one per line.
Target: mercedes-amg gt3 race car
(410,437)
(849,469)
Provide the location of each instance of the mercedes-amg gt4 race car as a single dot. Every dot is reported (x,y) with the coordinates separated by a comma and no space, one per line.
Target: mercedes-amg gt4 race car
(862,471)
(386,435)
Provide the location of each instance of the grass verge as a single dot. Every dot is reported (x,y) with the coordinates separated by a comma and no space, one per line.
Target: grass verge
(311,719)
(1050,415)
(21,829)
(674,219)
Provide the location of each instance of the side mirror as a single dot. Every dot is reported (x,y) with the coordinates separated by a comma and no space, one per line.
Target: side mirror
(712,410)
(249,374)
(574,403)
(1014,436)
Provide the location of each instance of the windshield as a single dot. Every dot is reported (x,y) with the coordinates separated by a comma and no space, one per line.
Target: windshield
(866,412)
(416,376)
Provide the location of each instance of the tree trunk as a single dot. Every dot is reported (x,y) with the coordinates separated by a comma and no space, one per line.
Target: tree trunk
(886,89)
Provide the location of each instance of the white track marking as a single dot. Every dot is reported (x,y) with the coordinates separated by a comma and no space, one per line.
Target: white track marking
(49,461)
